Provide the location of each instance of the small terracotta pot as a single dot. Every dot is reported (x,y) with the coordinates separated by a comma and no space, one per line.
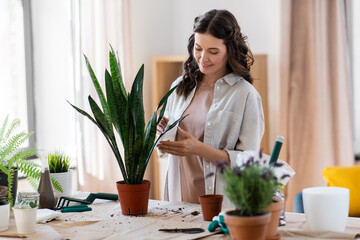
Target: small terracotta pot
(275,209)
(134,198)
(247,227)
(210,205)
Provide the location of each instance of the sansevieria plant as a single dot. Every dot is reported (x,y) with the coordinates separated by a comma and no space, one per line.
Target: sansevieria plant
(124,113)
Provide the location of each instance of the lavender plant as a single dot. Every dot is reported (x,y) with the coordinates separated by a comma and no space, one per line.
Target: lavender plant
(251,185)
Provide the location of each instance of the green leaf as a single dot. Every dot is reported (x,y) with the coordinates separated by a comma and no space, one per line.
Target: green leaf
(113,102)
(116,74)
(113,146)
(100,93)
(136,102)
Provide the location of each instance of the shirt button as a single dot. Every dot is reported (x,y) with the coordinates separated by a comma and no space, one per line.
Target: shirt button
(217,87)
(221,80)
(207,165)
(209,124)
(209,188)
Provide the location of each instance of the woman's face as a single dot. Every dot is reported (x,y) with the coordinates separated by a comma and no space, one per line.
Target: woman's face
(210,54)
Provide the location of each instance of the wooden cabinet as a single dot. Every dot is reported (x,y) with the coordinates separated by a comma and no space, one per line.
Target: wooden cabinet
(165,69)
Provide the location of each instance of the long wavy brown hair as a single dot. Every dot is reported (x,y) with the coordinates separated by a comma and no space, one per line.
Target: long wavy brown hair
(223,25)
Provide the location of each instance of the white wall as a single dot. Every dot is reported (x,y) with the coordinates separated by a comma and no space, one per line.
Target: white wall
(53,75)
(162,27)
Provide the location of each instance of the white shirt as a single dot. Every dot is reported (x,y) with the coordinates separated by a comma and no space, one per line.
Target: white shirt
(235,122)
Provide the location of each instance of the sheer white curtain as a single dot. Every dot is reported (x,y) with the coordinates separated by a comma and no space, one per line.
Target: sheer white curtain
(98,24)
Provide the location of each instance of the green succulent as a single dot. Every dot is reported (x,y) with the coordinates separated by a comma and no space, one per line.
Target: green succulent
(12,157)
(58,162)
(124,112)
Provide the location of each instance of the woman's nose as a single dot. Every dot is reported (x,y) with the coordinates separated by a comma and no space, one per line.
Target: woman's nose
(204,56)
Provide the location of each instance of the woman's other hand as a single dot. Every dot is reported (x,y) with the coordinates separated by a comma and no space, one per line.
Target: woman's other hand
(185,147)
(162,125)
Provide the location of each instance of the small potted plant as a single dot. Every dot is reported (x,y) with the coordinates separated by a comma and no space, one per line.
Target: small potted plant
(25,210)
(124,113)
(13,159)
(4,209)
(250,186)
(59,164)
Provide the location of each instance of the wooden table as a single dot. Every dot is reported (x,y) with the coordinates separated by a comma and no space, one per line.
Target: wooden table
(105,221)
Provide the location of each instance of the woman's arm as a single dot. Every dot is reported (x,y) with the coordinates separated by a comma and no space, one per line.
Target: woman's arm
(191,146)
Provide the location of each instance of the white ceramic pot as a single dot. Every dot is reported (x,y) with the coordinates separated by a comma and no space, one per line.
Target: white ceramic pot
(326,208)
(65,180)
(25,220)
(4,217)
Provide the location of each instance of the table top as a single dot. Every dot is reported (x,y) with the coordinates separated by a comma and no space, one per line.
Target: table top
(106,221)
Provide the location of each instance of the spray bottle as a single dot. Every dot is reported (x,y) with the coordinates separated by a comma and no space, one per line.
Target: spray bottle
(48,197)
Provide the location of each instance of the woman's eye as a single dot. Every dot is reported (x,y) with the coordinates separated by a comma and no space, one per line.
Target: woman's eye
(198,49)
(214,53)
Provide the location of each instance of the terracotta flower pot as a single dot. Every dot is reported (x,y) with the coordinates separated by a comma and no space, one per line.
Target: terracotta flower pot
(210,205)
(247,227)
(134,198)
(275,209)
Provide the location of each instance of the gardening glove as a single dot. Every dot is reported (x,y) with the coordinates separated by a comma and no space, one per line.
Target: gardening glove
(218,221)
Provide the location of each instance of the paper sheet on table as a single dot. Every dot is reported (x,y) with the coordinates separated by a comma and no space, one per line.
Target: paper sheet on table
(297,228)
(243,156)
(46,215)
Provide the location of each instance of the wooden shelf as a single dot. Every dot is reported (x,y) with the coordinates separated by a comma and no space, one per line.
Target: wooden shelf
(165,69)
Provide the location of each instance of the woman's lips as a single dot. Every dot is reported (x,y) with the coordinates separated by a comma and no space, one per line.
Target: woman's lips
(206,65)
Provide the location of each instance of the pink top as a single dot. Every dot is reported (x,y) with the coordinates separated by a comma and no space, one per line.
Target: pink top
(191,167)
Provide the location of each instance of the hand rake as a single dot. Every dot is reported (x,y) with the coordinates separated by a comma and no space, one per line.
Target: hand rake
(65,201)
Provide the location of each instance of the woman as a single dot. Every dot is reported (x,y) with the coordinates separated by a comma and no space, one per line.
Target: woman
(225,113)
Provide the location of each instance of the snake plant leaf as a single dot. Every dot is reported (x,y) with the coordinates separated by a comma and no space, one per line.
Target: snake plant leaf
(115,69)
(163,102)
(82,112)
(162,134)
(113,102)
(143,166)
(100,118)
(129,151)
(136,102)
(100,93)
(120,93)
(113,147)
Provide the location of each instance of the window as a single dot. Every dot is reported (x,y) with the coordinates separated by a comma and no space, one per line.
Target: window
(16,93)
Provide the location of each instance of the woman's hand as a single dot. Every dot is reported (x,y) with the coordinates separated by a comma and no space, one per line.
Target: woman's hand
(186,147)
(162,125)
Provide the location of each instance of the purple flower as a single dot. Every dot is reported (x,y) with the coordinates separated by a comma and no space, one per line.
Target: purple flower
(236,171)
(222,165)
(277,164)
(209,175)
(285,176)
(261,152)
